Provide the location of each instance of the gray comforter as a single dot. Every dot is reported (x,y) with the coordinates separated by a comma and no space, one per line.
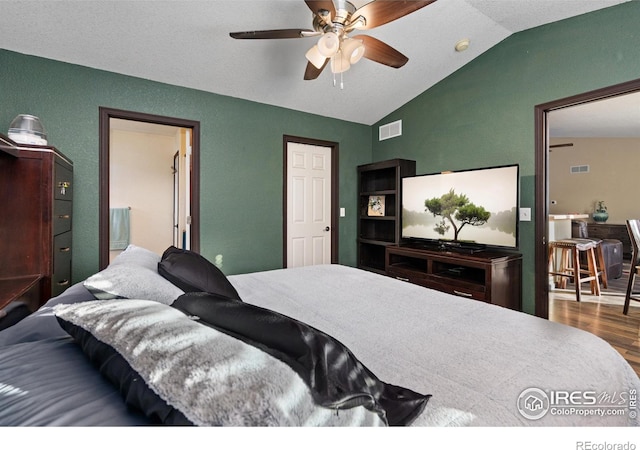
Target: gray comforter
(483,364)
(475,359)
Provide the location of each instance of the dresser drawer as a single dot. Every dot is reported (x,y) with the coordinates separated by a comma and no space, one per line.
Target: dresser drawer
(63,186)
(61,278)
(61,216)
(456,287)
(474,292)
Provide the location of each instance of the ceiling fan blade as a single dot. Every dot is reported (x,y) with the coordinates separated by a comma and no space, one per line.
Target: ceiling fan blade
(378,13)
(274,34)
(312,72)
(378,51)
(318,5)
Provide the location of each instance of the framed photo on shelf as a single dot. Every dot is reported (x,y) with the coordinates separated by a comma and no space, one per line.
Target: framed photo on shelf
(376,205)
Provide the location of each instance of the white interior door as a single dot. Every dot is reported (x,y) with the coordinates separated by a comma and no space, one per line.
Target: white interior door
(308,205)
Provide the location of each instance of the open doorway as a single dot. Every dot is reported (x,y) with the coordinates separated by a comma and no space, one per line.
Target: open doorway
(606,321)
(119,131)
(542,200)
(593,163)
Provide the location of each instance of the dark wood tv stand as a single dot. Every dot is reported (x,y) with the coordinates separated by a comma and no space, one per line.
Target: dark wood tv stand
(488,275)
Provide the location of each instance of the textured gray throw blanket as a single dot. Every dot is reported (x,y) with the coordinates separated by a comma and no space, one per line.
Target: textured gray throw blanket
(212,378)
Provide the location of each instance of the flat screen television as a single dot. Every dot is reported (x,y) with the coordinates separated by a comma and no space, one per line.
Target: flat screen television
(467,210)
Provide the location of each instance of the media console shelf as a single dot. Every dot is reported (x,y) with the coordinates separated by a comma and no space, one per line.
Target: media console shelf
(489,276)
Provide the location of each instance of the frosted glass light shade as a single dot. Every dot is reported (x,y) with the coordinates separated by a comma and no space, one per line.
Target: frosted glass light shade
(329,44)
(315,57)
(353,49)
(340,63)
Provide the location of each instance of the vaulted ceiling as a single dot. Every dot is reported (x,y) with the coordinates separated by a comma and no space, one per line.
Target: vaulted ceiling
(187,43)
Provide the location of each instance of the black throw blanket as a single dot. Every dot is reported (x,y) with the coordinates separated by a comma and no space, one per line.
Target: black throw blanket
(336,378)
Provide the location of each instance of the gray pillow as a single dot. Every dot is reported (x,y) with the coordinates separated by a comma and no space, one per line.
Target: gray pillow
(137,256)
(209,377)
(133,274)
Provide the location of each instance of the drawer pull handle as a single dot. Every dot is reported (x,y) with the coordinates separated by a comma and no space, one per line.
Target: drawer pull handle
(463,294)
(63,282)
(402,279)
(65,249)
(63,185)
(64,216)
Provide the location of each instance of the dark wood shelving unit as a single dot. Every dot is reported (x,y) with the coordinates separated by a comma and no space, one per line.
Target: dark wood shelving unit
(382,178)
(489,276)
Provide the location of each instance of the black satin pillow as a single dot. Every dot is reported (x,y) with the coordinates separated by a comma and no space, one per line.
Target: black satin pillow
(192,272)
(335,377)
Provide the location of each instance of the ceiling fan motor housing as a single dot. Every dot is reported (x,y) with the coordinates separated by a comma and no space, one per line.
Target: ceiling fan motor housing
(334,20)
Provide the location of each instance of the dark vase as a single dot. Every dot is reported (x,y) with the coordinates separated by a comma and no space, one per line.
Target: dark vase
(600,216)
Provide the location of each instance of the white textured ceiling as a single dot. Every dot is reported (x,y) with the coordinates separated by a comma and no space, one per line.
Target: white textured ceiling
(612,117)
(187,43)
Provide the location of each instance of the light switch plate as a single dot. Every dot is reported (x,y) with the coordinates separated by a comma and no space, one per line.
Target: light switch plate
(342,212)
(525,214)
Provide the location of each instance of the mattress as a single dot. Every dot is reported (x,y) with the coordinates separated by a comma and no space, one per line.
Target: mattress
(482,365)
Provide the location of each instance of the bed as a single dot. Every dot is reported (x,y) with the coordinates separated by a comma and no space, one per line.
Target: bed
(168,339)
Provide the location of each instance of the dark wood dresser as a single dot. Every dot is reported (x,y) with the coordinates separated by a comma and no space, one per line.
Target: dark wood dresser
(36,191)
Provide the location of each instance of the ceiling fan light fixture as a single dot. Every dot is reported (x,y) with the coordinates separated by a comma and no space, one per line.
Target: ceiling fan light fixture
(353,49)
(315,57)
(340,63)
(329,44)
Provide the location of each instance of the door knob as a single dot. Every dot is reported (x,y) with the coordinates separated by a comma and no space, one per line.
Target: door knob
(327,229)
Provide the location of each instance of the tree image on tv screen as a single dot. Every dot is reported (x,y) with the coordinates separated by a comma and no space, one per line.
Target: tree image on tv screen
(456,211)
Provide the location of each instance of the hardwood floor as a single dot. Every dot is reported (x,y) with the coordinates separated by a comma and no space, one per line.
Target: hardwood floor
(604,319)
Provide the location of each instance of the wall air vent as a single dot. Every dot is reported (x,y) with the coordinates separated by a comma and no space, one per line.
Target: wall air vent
(579,169)
(390,130)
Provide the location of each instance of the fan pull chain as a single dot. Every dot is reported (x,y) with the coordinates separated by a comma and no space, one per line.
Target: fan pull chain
(341,81)
(334,74)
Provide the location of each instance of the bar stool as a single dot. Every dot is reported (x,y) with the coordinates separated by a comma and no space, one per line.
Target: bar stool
(569,264)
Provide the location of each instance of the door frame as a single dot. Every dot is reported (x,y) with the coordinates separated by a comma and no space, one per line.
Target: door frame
(286,140)
(104,141)
(542,180)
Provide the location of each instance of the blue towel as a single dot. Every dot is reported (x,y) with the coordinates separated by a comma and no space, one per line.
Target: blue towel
(119,228)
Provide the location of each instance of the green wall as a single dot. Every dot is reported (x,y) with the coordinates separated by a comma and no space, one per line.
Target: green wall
(483,114)
(241,154)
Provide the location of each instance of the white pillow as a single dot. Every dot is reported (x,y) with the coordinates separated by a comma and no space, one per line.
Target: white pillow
(138,256)
(133,274)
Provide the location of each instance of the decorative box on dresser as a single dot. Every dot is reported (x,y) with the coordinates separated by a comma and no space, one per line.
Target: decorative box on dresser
(36,191)
(375,232)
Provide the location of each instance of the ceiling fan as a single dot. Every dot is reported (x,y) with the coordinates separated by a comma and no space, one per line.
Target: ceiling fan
(333,21)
